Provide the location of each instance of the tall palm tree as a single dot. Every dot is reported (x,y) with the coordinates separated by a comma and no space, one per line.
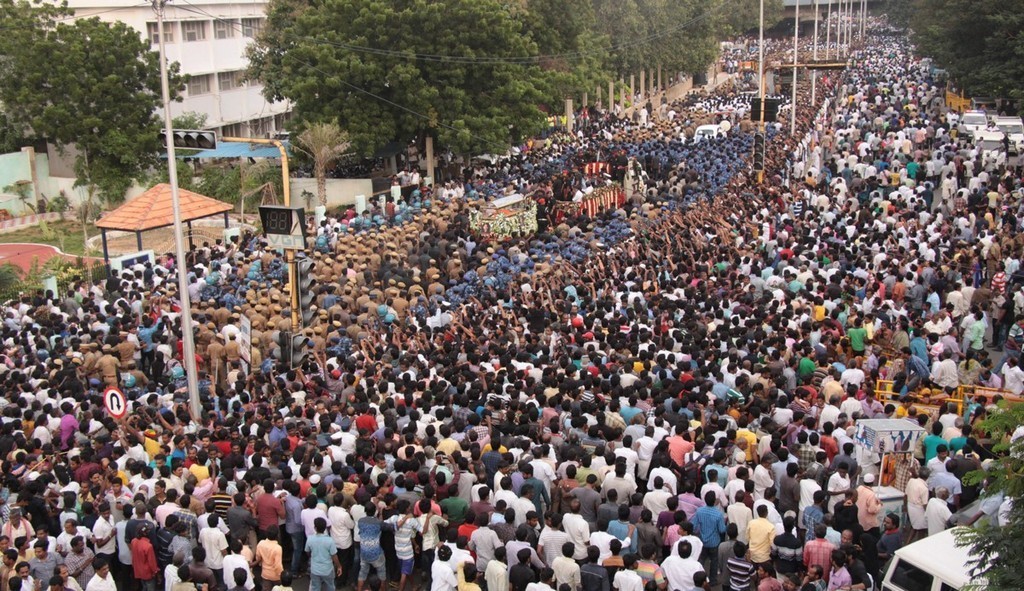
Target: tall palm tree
(324,143)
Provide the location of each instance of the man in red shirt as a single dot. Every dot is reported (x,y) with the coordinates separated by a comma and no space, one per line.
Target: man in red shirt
(144,558)
(269,509)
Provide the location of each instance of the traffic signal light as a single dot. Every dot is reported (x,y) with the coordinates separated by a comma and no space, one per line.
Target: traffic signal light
(191,139)
(301,347)
(283,352)
(304,281)
(758,152)
(771,113)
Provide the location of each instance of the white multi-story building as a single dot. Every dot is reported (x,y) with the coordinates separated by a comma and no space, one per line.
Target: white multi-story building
(208,39)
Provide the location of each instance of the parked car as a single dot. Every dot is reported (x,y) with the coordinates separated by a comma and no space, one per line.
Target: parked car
(935,563)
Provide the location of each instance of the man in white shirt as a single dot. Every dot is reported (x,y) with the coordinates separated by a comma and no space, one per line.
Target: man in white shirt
(102,580)
(1013,376)
(215,543)
(627,579)
(937,512)
(680,567)
(577,529)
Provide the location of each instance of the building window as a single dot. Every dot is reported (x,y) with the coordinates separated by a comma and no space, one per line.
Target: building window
(199,84)
(224,29)
(251,26)
(154,33)
(230,80)
(233,130)
(193,30)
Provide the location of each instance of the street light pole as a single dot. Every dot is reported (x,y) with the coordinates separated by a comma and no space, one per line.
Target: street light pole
(796,55)
(760,78)
(188,344)
(828,32)
(814,73)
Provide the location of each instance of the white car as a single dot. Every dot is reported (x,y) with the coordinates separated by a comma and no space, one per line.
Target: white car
(972,122)
(1013,129)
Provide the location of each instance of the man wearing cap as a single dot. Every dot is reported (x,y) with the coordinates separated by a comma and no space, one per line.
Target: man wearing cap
(869,506)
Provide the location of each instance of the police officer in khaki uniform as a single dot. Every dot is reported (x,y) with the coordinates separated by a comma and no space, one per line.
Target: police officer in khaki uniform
(108,366)
(233,349)
(125,349)
(217,360)
(90,357)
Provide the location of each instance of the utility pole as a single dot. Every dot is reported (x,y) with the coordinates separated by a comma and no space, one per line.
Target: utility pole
(828,32)
(796,54)
(814,73)
(187,340)
(760,77)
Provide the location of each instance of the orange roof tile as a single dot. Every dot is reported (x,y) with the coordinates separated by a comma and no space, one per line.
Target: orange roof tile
(153,209)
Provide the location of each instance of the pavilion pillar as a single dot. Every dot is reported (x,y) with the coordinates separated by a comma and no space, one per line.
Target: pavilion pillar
(191,245)
(106,254)
(138,239)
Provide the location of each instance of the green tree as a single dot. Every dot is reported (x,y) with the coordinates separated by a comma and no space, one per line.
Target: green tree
(983,51)
(100,96)
(190,120)
(353,60)
(999,551)
(323,143)
(744,16)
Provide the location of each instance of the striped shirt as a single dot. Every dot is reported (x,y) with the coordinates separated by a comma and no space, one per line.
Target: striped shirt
(406,528)
(740,572)
(650,571)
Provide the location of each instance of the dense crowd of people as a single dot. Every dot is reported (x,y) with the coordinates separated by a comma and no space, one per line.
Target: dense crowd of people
(661,397)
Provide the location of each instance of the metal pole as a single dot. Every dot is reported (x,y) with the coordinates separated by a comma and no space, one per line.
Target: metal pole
(863,18)
(760,77)
(187,343)
(796,54)
(814,72)
(828,32)
(839,29)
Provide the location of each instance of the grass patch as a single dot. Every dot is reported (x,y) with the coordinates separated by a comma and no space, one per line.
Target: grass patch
(64,234)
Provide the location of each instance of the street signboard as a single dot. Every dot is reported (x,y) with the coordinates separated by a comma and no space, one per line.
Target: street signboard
(115,402)
(245,341)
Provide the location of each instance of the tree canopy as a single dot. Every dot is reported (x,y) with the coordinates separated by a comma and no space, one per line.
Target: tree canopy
(979,42)
(476,74)
(1000,550)
(101,95)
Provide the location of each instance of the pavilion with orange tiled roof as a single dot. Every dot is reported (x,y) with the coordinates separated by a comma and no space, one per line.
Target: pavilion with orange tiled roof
(154,209)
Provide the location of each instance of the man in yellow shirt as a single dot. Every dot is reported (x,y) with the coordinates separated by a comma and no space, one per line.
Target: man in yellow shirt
(761,534)
(751,438)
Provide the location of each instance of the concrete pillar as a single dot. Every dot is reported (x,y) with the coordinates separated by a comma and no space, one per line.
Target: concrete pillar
(643,83)
(611,95)
(568,115)
(651,81)
(632,87)
(584,100)
(622,94)
(660,87)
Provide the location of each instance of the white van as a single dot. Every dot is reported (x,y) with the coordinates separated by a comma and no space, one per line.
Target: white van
(935,563)
(704,132)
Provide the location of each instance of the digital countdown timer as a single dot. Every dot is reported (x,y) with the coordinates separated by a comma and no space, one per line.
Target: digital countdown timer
(284,226)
